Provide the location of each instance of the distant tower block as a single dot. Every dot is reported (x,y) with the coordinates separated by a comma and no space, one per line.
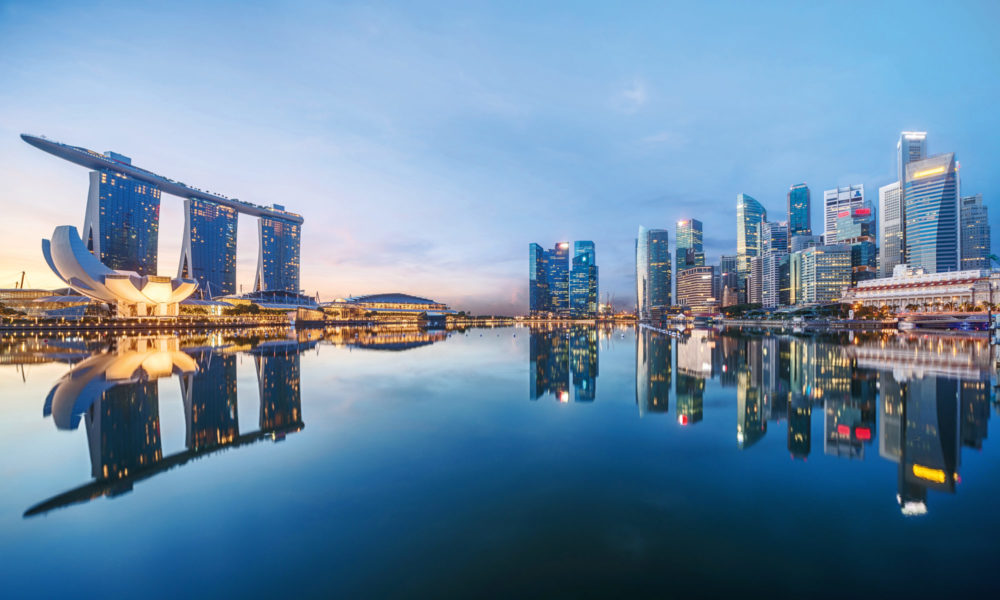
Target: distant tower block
(278,260)
(122,222)
(208,252)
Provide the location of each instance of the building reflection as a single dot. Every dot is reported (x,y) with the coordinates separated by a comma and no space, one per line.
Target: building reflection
(563,358)
(116,393)
(653,358)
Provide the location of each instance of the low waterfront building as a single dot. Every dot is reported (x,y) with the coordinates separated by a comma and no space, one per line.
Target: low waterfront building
(695,289)
(915,289)
(391,308)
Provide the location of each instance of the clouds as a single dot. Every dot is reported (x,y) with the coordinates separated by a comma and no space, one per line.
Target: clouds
(633,97)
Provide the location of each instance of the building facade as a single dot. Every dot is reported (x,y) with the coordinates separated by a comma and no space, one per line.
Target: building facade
(122,223)
(538,282)
(696,289)
(690,249)
(775,279)
(652,271)
(583,292)
(278,259)
(208,251)
(975,234)
(931,213)
(836,201)
(890,228)
(819,275)
(799,211)
(856,228)
(911,289)
(750,214)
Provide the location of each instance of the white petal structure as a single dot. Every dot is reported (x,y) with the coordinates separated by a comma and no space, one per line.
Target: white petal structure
(133,294)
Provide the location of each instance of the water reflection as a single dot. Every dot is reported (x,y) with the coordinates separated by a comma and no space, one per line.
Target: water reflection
(113,386)
(920,396)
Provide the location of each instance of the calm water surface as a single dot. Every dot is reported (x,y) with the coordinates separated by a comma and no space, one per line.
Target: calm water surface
(499,462)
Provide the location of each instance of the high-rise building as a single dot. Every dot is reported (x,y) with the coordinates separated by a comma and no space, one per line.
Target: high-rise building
(583,280)
(122,223)
(652,271)
(696,289)
(820,274)
(538,283)
(728,277)
(801,242)
(208,252)
(799,211)
(931,211)
(975,234)
(775,280)
(278,259)
(774,237)
(856,228)
(890,228)
(912,146)
(755,281)
(749,216)
(836,201)
(690,249)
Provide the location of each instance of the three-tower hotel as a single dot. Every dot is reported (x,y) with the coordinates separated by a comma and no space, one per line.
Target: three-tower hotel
(121,225)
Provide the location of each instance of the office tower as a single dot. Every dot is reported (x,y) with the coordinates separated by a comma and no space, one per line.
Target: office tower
(856,228)
(975,233)
(583,280)
(557,275)
(911,147)
(820,274)
(278,259)
(690,250)
(696,289)
(799,211)
(890,228)
(775,282)
(931,212)
(754,281)
(122,222)
(538,282)
(801,242)
(836,201)
(208,252)
(728,277)
(652,271)
(774,237)
(653,357)
(749,216)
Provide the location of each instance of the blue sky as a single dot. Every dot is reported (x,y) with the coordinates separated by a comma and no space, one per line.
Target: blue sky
(428,145)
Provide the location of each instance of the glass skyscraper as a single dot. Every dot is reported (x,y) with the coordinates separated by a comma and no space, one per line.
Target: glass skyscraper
(836,201)
(583,280)
(122,222)
(538,283)
(912,146)
(278,260)
(857,228)
(690,249)
(975,233)
(799,211)
(652,271)
(208,252)
(749,216)
(557,274)
(890,228)
(932,214)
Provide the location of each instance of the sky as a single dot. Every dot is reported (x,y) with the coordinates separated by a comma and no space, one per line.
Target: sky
(427,144)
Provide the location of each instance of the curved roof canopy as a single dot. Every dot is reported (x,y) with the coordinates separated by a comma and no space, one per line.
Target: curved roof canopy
(392,298)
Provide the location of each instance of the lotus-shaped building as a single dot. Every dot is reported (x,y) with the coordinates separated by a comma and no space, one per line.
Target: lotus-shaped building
(132,294)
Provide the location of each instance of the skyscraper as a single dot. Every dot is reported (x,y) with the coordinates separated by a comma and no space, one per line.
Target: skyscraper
(857,229)
(774,237)
(799,211)
(890,228)
(696,289)
(931,212)
(912,146)
(975,233)
(583,280)
(278,259)
(557,274)
(122,223)
(836,201)
(749,216)
(208,251)
(820,274)
(690,250)
(652,271)
(538,283)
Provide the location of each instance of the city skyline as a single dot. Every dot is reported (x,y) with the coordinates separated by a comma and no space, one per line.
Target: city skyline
(579,137)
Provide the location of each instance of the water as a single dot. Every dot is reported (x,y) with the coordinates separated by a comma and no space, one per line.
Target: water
(498,462)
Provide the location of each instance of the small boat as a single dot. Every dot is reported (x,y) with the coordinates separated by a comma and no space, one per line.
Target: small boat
(945,322)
